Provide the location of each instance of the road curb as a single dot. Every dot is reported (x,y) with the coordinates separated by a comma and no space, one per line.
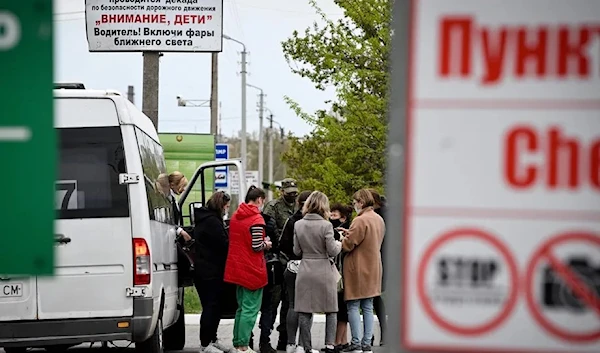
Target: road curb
(194,319)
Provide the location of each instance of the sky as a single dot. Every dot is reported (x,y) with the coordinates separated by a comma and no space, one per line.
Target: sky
(260,24)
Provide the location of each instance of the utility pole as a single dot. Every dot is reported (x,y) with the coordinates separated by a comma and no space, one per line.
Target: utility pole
(130,94)
(150,86)
(214,94)
(244,72)
(244,149)
(270,155)
(261,147)
(261,150)
(220,125)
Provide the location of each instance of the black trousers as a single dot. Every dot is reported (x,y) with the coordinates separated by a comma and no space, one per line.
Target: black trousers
(379,307)
(210,292)
(285,306)
(266,315)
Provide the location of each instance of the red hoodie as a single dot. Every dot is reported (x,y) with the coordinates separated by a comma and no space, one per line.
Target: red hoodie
(245,267)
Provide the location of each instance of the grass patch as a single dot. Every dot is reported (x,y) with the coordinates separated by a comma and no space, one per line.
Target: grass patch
(192,301)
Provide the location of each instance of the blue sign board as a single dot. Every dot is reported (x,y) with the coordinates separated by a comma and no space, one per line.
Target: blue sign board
(221,173)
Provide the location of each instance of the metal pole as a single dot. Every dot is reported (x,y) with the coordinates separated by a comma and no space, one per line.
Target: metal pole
(261,147)
(150,86)
(131,94)
(270,155)
(214,94)
(396,150)
(244,149)
(220,125)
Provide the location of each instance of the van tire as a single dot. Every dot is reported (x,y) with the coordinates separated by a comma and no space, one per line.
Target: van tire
(58,348)
(15,349)
(154,344)
(175,335)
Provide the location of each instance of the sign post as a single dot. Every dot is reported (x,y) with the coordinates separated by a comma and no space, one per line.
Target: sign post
(221,173)
(27,138)
(501,218)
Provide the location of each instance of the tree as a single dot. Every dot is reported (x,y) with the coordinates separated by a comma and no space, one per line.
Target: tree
(346,148)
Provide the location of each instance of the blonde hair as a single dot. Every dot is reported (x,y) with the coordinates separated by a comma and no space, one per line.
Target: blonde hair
(317,203)
(162,184)
(177,182)
(364,196)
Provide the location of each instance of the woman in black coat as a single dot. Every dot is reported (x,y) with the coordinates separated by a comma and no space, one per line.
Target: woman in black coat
(212,245)
(341,217)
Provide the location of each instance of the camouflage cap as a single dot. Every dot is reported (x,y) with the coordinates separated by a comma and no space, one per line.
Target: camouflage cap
(289,185)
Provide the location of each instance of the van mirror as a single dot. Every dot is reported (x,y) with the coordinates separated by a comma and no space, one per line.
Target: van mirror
(193,207)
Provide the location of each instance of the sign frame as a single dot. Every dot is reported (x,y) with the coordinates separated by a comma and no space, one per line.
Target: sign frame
(28,141)
(401,108)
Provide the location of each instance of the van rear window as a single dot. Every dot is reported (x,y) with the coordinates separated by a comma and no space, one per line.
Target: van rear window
(91,160)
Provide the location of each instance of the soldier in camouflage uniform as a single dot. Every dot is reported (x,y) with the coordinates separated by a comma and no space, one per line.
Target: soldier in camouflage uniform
(281,209)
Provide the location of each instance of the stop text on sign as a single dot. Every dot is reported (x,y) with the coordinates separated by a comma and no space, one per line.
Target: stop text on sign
(549,157)
(545,51)
(10,30)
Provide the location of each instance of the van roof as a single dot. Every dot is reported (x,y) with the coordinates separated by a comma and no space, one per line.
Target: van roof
(129,114)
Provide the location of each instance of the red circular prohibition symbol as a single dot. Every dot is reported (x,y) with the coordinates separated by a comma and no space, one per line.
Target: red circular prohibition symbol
(512,271)
(588,297)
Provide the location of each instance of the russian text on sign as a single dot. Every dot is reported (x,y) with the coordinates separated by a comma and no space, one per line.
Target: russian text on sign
(547,50)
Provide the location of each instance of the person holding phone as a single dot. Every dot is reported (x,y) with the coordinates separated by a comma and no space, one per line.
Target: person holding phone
(341,217)
(363,269)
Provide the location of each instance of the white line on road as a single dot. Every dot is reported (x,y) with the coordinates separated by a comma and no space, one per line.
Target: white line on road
(15,134)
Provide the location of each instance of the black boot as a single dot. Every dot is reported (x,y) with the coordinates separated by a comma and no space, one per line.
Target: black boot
(282,344)
(266,348)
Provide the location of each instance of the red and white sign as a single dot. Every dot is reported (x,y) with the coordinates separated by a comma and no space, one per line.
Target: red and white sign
(568,284)
(502,249)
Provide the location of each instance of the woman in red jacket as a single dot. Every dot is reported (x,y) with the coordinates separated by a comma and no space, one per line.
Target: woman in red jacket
(246,266)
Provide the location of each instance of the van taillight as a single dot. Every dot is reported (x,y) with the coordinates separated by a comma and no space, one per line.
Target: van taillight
(141,260)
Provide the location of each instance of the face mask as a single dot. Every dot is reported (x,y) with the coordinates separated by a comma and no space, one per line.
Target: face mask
(357,209)
(289,198)
(336,223)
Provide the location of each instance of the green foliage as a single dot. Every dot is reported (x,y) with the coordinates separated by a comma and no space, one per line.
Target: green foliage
(191,301)
(346,149)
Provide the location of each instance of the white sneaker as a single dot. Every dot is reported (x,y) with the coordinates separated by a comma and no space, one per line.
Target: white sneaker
(249,350)
(301,350)
(290,348)
(219,344)
(211,349)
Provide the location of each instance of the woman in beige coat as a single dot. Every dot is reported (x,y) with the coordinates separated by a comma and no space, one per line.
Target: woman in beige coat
(362,269)
(316,283)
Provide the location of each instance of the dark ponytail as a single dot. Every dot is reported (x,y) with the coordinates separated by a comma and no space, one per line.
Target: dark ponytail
(254,194)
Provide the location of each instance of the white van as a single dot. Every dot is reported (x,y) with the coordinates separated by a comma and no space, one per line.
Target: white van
(116,274)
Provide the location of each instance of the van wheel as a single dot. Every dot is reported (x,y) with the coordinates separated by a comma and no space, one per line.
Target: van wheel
(154,344)
(15,349)
(58,348)
(175,335)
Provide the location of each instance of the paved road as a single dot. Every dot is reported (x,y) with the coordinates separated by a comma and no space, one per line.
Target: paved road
(225,333)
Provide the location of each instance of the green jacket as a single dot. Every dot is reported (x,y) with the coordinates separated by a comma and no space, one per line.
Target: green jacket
(280,210)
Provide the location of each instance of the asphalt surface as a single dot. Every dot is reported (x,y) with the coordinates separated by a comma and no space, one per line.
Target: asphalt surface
(225,334)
